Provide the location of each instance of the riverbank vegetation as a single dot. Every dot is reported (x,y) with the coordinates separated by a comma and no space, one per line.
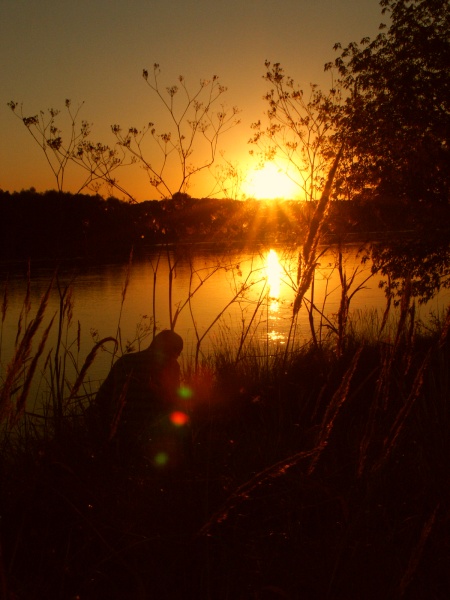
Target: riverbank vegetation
(55,225)
(317,469)
(319,472)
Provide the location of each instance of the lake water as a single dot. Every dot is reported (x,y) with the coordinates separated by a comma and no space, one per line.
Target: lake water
(219,296)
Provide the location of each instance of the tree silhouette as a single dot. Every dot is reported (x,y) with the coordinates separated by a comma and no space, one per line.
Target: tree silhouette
(397,115)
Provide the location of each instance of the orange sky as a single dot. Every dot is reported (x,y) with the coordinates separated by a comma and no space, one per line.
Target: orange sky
(94,52)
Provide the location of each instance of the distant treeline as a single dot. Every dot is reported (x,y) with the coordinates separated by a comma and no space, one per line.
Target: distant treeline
(63,225)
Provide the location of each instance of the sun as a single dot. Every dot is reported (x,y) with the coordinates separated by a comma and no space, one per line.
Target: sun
(269,183)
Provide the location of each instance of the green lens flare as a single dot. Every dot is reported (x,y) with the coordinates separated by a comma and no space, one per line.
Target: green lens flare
(185,392)
(161,459)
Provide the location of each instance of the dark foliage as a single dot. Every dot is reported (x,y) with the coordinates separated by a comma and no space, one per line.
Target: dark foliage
(59,225)
(293,486)
(397,117)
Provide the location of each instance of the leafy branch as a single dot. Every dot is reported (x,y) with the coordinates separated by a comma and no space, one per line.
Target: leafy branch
(96,160)
(299,130)
(194,131)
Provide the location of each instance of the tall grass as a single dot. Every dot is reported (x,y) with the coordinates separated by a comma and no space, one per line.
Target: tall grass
(319,473)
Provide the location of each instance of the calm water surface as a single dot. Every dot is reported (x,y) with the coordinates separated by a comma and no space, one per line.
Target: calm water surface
(218,296)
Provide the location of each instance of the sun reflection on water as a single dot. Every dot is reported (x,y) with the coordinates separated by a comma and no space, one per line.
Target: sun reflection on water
(273,277)
(274,273)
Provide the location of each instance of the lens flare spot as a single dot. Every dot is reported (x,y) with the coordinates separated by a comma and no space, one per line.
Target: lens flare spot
(185,392)
(179,418)
(161,459)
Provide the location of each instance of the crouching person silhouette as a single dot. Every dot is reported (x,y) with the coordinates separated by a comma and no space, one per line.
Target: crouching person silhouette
(133,407)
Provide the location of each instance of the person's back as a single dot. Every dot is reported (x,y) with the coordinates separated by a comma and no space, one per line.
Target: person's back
(140,390)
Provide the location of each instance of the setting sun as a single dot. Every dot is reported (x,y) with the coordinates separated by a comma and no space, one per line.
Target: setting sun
(269,183)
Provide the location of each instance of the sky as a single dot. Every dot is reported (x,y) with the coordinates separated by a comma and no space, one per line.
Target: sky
(93,52)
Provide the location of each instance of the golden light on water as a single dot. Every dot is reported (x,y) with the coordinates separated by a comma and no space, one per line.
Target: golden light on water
(274,272)
(269,183)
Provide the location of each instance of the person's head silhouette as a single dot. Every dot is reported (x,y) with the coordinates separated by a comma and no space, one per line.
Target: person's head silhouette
(167,345)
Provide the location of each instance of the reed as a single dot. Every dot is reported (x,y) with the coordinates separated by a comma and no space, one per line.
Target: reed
(124,295)
(312,472)
(17,368)
(4,310)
